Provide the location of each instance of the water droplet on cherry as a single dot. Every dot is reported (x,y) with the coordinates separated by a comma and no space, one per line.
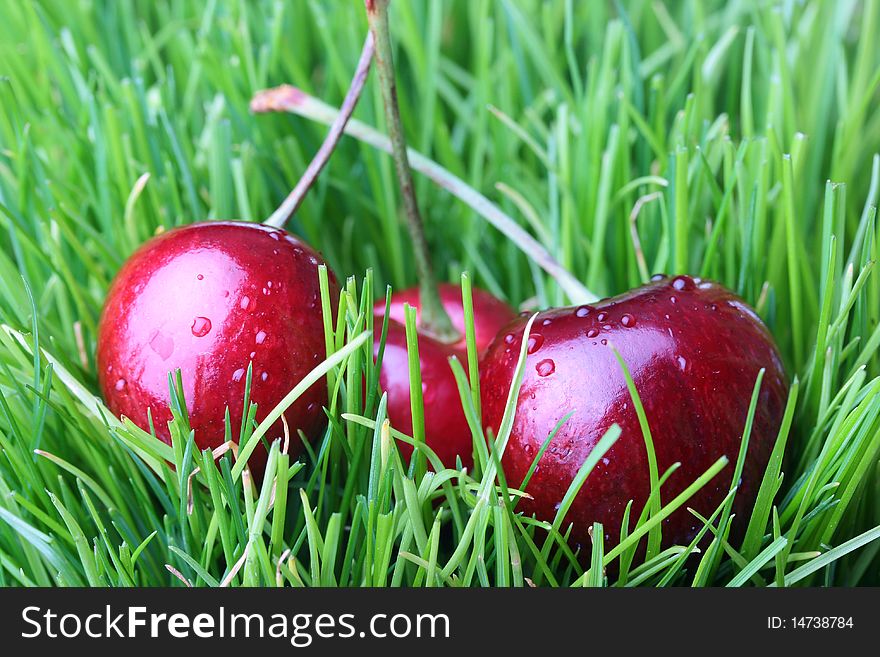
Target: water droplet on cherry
(582,311)
(201,326)
(261,337)
(535,342)
(120,384)
(592,333)
(237,374)
(683,283)
(658,277)
(601,317)
(546,367)
(628,320)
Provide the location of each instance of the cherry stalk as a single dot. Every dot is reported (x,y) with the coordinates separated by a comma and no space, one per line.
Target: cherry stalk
(434,319)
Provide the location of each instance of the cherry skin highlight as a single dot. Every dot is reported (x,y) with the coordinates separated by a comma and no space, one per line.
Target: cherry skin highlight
(694,351)
(213,299)
(446,429)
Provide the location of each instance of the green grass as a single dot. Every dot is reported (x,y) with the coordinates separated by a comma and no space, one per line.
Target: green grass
(736,140)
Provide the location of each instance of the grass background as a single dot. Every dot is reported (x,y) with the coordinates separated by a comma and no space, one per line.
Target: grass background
(736,140)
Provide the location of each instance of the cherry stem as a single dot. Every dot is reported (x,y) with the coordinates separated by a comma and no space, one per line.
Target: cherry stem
(433,317)
(291,204)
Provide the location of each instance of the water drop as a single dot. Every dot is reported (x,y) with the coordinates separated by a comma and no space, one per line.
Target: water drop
(658,277)
(582,311)
(200,277)
(606,460)
(275,235)
(269,284)
(266,292)
(201,326)
(604,341)
(120,384)
(264,376)
(601,317)
(535,342)
(592,333)
(673,300)
(547,322)
(607,327)
(682,363)
(253,353)
(261,337)
(545,367)
(508,339)
(237,374)
(683,283)
(245,302)
(713,307)
(628,320)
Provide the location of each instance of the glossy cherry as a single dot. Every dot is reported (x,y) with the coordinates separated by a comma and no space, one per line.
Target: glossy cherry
(694,350)
(213,299)
(446,429)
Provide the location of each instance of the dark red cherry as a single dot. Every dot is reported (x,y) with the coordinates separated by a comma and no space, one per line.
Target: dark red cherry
(694,350)
(446,429)
(213,299)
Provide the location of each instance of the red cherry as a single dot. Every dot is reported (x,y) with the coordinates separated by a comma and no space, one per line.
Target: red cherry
(694,351)
(212,299)
(446,429)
